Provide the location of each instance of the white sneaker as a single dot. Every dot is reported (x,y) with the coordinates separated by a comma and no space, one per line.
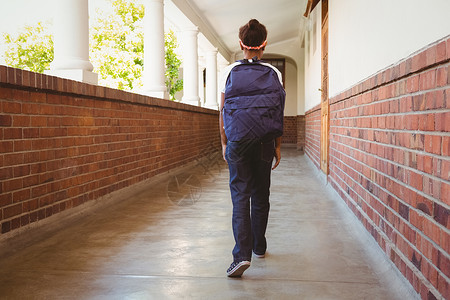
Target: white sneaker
(259,255)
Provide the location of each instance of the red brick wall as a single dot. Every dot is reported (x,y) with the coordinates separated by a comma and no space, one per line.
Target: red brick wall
(289,130)
(312,135)
(294,131)
(389,161)
(63,143)
(301,133)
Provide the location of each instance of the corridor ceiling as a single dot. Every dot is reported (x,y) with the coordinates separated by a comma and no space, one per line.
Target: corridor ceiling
(219,20)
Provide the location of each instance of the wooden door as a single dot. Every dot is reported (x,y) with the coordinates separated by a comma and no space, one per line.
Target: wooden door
(325,106)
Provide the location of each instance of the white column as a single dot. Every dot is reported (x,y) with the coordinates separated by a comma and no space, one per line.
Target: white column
(154,64)
(211,79)
(71,42)
(201,87)
(190,63)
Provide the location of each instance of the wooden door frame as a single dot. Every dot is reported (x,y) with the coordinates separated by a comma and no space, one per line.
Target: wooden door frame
(325,105)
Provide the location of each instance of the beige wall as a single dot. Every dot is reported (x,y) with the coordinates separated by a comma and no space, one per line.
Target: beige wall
(291,89)
(366,36)
(313,60)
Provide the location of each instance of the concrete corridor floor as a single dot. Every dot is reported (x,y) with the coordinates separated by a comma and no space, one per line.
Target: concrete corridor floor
(171,239)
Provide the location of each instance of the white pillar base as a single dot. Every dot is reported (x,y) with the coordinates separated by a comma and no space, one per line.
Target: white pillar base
(71,42)
(214,106)
(156,93)
(195,100)
(75,74)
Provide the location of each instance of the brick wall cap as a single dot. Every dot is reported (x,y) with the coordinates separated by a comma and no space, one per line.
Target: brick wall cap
(45,83)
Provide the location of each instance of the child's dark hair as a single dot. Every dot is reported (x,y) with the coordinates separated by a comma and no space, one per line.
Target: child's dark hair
(253,34)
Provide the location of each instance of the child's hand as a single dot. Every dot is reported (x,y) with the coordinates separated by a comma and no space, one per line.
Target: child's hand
(224,148)
(277,157)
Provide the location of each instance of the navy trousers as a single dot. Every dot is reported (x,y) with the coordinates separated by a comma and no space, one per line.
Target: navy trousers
(250,165)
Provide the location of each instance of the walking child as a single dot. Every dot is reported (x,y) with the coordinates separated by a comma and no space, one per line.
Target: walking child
(251,125)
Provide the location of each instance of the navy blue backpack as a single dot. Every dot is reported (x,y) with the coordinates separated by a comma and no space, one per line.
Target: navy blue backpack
(254,103)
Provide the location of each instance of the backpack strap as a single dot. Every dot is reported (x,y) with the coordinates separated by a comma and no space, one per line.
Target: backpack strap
(255,61)
(254,104)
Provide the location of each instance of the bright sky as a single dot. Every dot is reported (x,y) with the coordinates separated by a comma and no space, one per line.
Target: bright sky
(17,13)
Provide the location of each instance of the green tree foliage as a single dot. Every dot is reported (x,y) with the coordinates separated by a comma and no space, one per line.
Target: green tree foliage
(117,45)
(31,50)
(173,64)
